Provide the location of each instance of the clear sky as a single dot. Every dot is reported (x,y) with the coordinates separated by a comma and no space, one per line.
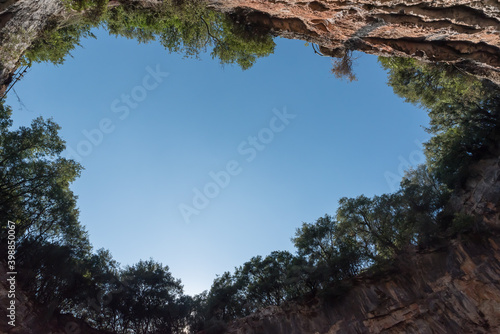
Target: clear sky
(285,140)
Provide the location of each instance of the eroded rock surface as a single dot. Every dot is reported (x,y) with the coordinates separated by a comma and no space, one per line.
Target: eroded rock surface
(453,289)
(462,32)
(20,23)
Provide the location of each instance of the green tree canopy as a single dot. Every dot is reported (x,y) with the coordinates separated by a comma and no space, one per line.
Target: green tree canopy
(186,27)
(35,180)
(267,281)
(463,112)
(330,251)
(151,296)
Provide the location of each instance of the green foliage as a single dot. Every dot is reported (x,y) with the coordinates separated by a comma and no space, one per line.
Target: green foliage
(378,223)
(330,252)
(186,27)
(60,271)
(267,281)
(367,234)
(260,282)
(151,298)
(462,110)
(55,43)
(225,300)
(35,180)
(372,231)
(80,5)
(58,39)
(64,274)
(53,250)
(239,44)
(461,223)
(52,273)
(177,26)
(425,198)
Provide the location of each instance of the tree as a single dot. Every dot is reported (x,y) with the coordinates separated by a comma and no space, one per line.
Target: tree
(34,193)
(53,275)
(34,183)
(186,27)
(425,197)
(258,283)
(60,271)
(226,300)
(104,286)
(267,280)
(330,252)
(152,298)
(317,241)
(379,224)
(239,44)
(463,112)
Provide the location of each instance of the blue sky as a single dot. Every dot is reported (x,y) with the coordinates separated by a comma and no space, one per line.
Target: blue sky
(145,159)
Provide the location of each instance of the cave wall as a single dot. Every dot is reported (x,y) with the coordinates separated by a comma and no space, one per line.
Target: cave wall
(449,289)
(453,289)
(20,23)
(462,32)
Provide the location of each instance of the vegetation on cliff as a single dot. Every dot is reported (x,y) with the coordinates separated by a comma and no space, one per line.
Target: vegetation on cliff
(64,275)
(463,113)
(367,233)
(186,27)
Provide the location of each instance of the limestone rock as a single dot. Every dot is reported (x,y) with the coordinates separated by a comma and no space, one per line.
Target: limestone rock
(453,289)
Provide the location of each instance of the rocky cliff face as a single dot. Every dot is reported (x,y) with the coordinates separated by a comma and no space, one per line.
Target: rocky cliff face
(464,32)
(20,23)
(453,289)
(480,195)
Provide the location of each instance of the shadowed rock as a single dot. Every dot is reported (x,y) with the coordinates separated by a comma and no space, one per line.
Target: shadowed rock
(465,33)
